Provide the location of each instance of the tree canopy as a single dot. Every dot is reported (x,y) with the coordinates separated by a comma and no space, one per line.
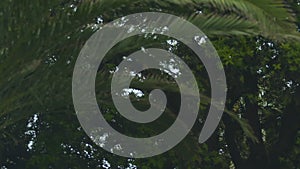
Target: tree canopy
(257,41)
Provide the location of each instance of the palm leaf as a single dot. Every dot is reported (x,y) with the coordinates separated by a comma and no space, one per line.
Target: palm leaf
(272,18)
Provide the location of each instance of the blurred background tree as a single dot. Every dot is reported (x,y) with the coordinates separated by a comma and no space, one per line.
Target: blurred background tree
(258,43)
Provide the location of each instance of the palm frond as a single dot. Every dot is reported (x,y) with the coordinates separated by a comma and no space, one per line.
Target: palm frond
(272,17)
(223,25)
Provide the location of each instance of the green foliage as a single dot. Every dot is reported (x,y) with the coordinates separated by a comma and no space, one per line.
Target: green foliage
(40,41)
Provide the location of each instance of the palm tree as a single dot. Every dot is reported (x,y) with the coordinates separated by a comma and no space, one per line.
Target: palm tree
(41,40)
